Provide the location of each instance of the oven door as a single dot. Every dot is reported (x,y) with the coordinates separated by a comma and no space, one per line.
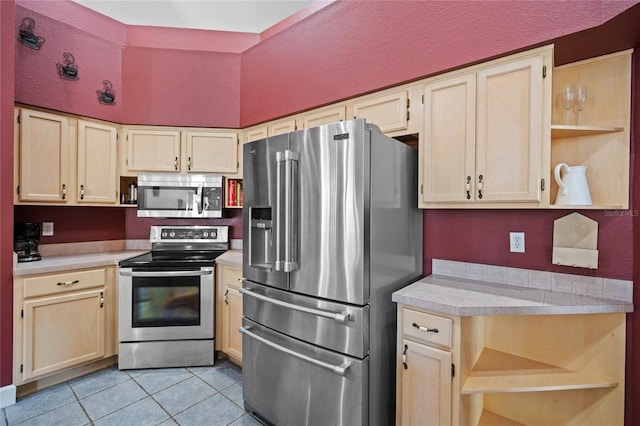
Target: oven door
(165,304)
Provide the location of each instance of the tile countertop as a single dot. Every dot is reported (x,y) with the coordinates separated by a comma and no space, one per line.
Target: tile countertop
(454,295)
(232,258)
(50,264)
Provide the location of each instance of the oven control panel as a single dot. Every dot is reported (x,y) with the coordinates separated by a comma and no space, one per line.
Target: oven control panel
(189,233)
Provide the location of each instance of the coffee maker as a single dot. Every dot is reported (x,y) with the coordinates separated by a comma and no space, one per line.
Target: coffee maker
(26,240)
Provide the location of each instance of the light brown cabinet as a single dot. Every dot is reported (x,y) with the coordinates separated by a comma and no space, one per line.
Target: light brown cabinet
(510,370)
(44,154)
(63,320)
(601,141)
(389,111)
(151,150)
(97,163)
(229,308)
(212,152)
(64,160)
(486,137)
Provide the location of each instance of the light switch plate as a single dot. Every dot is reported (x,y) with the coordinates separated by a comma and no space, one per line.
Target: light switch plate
(47,229)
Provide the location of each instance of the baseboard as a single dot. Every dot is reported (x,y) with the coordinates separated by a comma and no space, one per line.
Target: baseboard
(7,395)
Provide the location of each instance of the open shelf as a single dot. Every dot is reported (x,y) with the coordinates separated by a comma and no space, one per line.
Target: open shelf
(559,131)
(233,193)
(500,372)
(489,418)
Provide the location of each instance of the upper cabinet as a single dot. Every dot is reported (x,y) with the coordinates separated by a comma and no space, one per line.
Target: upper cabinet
(324,116)
(212,152)
(97,163)
(64,160)
(43,153)
(387,110)
(152,150)
(598,135)
(486,136)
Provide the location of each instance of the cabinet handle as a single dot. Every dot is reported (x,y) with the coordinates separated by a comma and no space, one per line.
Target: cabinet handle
(468,187)
(189,163)
(175,164)
(101,299)
(64,191)
(69,282)
(404,357)
(426,329)
(82,192)
(480,186)
(226,299)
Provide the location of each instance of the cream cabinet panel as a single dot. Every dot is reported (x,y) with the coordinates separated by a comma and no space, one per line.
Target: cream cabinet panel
(230,312)
(153,150)
(97,163)
(281,127)
(509,131)
(212,152)
(63,331)
(325,116)
(389,112)
(447,155)
(256,133)
(44,157)
(426,385)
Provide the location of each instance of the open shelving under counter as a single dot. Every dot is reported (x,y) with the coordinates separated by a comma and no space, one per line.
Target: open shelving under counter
(520,352)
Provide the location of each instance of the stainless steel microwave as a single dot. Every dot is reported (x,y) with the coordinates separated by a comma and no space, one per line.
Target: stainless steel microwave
(179,195)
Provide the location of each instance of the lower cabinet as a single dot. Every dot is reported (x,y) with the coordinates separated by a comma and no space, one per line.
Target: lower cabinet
(229,317)
(63,320)
(510,369)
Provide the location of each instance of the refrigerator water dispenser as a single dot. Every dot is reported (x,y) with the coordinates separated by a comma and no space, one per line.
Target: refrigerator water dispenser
(260,237)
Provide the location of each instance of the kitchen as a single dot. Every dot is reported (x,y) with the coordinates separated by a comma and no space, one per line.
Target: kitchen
(332,78)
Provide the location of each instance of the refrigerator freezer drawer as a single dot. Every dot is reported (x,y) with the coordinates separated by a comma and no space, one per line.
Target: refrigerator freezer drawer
(289,382)
(339,327)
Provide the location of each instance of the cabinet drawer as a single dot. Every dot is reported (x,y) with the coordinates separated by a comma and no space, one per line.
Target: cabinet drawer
(62,283)
(231,277)
(427,328)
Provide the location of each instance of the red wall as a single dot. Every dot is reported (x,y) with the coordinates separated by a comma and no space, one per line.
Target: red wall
(6,190)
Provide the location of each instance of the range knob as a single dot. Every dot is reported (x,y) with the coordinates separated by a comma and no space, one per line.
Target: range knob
(205,234)
(172,234)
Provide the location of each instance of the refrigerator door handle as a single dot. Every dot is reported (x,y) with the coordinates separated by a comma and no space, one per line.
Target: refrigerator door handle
(279,263)
(340,317)
(290,218)
(340,370)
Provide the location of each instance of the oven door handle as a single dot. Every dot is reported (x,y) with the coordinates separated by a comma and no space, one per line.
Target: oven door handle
(340,370)
(164,274)
(340,317)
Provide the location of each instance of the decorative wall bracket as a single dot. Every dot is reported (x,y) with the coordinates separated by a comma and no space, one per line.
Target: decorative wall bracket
(68,70)
(27,35)
(106,96)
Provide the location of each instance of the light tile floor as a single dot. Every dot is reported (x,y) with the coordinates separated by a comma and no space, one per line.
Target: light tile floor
(168,396)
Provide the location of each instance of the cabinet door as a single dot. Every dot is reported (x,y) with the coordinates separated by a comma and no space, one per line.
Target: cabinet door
(97,163)
(281,127)
(426,386)
(510,131)
(44,157)
(63,331)
(256,133)
(325,116)
(212,152)
(231,313)
(151,150)
(447,151)
(388,112)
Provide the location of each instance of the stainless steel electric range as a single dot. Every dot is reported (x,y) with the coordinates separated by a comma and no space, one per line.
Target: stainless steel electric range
(166,299)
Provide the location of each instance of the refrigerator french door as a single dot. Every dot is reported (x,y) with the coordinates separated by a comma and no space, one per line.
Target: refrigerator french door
(331,229)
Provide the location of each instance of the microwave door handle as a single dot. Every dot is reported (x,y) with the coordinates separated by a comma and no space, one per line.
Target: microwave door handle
(198,199)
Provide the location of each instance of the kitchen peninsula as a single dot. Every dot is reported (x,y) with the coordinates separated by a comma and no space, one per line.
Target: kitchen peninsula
(489,345)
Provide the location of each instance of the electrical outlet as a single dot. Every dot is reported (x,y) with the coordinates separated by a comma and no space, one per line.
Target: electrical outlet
(47,229)
(516,242)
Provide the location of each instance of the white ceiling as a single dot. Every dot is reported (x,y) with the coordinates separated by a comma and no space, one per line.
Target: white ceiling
(251,16)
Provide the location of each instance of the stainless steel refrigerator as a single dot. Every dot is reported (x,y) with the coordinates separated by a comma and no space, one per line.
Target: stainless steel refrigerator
(331,229)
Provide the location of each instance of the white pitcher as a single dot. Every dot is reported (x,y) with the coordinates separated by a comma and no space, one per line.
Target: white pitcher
(573,187)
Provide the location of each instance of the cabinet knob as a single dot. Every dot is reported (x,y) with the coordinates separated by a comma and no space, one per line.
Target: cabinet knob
(189,163)
(64,191)
(480,186)
(175,164)
(468,187)
(82,192)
